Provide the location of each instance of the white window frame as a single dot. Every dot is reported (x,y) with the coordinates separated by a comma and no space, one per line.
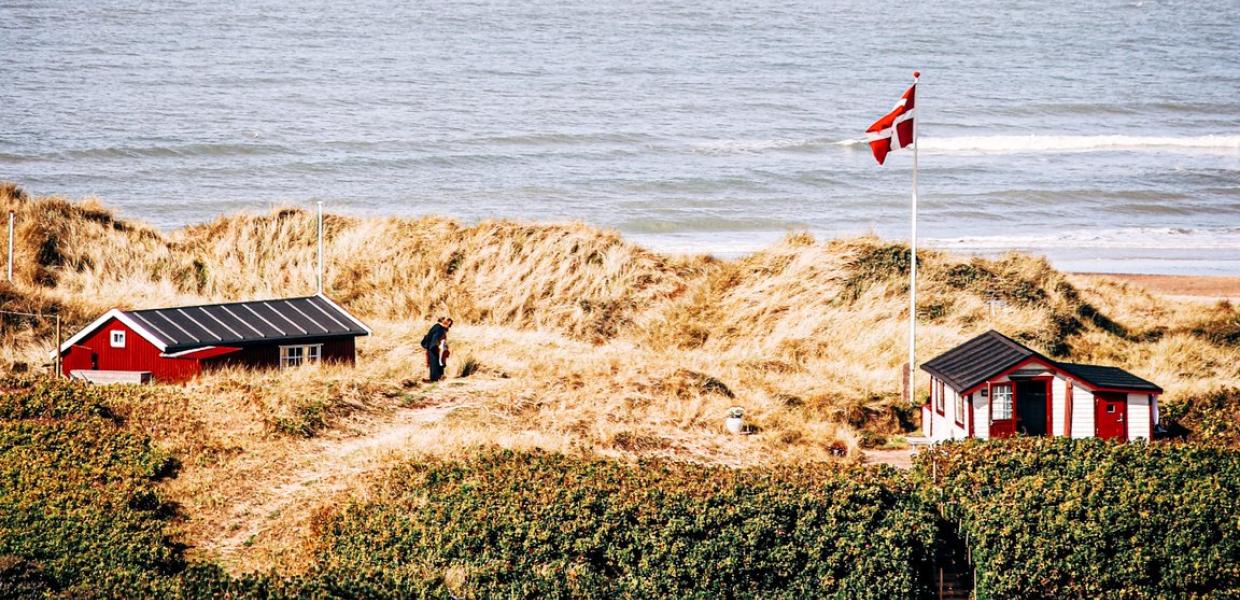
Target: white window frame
(116,338)
(296,355)
(1002,402)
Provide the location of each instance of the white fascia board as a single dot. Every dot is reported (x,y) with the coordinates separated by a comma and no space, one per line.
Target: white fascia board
(346,313)
(184,352)
(117,314)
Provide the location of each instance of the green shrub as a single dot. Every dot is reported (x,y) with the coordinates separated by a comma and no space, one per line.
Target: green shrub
(1058,518)
(78,506)
(1212,417)
(874,264)
(543,525)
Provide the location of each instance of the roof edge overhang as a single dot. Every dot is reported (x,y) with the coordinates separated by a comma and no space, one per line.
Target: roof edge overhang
(119,315)
(272,341)
(346,313)
(1055,369)
(963,388)
(1036,358)
(201,352)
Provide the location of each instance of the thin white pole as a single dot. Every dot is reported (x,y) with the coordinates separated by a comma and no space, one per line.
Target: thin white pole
(912,286)
(59,365)
(12,216)
(320,275)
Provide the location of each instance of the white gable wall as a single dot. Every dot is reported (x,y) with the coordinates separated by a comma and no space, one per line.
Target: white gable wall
(981,416)
(1082,412)
(944,427)
(1138,416)
(1059,392)
(961,431)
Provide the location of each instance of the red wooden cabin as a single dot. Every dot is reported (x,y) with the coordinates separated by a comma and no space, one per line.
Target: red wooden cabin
(993,386)
(175,344)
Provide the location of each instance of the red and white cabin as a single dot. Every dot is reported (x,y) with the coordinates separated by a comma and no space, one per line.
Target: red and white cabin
(992,386)
(175,344)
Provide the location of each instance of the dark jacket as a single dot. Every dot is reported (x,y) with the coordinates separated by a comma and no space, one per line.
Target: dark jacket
(432,338)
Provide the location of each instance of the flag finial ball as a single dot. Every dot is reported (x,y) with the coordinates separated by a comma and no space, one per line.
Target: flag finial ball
(916,74)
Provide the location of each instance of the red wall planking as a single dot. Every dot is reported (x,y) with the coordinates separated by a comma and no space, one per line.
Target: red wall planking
(138,354)
(96,351)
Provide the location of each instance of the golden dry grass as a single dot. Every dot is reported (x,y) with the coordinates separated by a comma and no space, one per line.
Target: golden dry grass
(583,342)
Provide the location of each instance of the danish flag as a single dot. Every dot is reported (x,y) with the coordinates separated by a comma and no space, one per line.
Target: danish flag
(895,129)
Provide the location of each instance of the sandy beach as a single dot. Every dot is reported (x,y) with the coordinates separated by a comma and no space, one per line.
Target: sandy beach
(1198,288)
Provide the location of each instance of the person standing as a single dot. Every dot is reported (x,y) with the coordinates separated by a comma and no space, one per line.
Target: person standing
(435,342)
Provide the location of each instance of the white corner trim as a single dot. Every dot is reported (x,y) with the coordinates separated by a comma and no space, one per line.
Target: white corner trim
(346,313)
(117,314)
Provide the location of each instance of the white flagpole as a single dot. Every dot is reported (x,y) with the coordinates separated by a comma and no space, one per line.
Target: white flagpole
(319,277)
(912,286)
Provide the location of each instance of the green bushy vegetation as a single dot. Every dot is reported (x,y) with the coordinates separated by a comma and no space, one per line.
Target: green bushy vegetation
(1212,417)
(1056,518)
(81,516)
(540,525)
(79,512)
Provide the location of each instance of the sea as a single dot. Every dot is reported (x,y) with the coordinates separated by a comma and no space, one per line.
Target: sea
(1103,134)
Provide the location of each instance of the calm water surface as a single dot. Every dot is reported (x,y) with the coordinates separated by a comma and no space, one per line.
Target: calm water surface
(1103,134)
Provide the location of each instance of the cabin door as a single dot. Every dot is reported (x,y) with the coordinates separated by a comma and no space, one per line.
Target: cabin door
(1002,411)
(1032,404)
(1111,415)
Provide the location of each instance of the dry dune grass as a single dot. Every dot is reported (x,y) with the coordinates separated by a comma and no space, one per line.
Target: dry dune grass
(564,309)
(578,340)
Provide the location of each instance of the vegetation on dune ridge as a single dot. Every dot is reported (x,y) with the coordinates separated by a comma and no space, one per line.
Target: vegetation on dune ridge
(827,318)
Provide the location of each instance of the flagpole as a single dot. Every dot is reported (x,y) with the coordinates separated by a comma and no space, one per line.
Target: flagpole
(912,286)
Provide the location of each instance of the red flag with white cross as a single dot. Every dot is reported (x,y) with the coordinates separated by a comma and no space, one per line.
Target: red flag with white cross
(895,129)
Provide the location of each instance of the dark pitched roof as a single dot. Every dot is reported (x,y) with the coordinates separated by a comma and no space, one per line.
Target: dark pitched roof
(977,360)
(233,323)
(991,353)
(1108,377)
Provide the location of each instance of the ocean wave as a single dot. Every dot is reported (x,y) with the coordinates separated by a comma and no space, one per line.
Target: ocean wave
(563,139)
(1003,144)
(1020,144)
(761,145)
(171,151)
(1127,238)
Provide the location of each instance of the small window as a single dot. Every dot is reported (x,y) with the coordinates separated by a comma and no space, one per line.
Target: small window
(294,356)
(960,409)
(1110,408)
(1001,403)
(118,339)
(940,403)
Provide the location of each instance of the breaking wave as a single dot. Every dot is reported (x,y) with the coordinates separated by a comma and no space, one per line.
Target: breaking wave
(1017,144)
(1147,238)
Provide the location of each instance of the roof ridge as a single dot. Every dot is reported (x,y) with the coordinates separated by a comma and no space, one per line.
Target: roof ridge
(1081,364)
(231,303)
(1011,342)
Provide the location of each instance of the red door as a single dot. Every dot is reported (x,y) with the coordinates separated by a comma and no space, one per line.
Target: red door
(1111,415)
(1002,411)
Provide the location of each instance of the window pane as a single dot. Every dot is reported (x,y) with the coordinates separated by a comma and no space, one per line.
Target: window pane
(291,356)
(1002,402)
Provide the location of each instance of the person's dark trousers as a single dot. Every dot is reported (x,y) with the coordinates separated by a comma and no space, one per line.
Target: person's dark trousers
(432,361)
